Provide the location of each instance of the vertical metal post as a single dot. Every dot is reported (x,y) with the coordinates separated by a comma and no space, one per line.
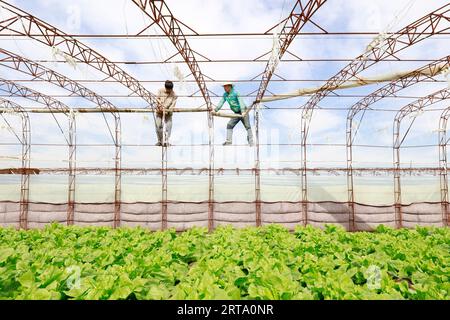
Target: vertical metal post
(118,169)
(211,171)
(443,169)
(72,168)
(257,169)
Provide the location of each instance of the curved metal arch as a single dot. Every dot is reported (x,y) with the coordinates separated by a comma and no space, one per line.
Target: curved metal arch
(415,106)
(443,168)
(22,23)
(24,65)
(433,23)
(424,73)
(21,91)
(25,159)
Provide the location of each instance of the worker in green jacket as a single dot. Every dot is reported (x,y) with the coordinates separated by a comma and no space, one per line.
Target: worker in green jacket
(238,106)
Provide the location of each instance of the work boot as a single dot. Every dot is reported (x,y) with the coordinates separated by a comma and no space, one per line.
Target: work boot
(227,143)
(250,137)
(158,144)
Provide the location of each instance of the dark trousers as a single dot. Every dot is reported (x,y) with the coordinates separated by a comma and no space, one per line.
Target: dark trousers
(233,122)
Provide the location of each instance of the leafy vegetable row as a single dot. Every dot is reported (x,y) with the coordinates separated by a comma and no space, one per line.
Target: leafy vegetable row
(253,263)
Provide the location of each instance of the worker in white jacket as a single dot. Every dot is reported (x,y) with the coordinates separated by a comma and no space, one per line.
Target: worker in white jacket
(166,103)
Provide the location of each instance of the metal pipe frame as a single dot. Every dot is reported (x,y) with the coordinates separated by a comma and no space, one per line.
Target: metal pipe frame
(226,114)
(427,72)
(21,24)
(265,34)
(415,106)
(291,26)
(252,80)
(102,110)
(237,61)
(431,24)
(25,157)
(335,171)
(38,71)
(17,90)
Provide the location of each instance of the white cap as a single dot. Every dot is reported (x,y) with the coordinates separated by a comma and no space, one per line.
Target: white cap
(227,84)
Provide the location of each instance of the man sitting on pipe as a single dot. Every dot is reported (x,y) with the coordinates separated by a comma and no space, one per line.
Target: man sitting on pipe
(238,106)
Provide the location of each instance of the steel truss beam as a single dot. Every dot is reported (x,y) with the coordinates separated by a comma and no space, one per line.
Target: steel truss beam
(159,13)
(433,23)
(24,140)
(424,73)
(415,106)
(37,71)
(17,90)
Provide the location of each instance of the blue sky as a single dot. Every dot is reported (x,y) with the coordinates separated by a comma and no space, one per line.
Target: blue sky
(278,126)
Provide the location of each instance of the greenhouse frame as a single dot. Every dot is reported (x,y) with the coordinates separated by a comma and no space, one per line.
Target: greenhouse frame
(194,182)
